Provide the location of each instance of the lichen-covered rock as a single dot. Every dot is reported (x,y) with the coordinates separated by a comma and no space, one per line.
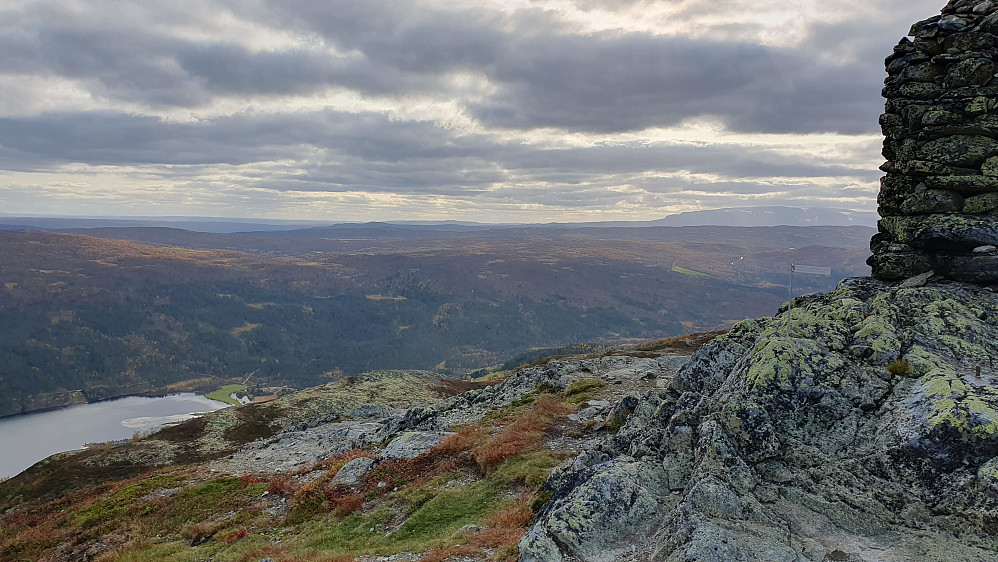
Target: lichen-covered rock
(959,150)
(602,518)
(932,201)
(958,233)
(940,126)
(980,204)
(861,425)
(351,473)
(411,444)
(973,269)
(897,265)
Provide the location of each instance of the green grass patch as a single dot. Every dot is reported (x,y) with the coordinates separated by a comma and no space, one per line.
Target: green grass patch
(223,394)
(582,390)
(119,503)
(182,551)
(450,510)
(433,524)
(435,511)
(166,552)
(690,272)
(532,469)
(200,502)
(416,496)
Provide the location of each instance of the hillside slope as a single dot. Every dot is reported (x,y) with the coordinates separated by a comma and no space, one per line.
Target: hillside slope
(85,318)
(332,473)
(860,426)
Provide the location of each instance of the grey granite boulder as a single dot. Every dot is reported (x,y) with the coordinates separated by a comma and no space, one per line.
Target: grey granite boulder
(411,444)
(601,519)
(353,471)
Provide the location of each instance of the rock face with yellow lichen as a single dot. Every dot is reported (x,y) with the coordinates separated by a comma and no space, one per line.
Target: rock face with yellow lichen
(862,425)
(939,199)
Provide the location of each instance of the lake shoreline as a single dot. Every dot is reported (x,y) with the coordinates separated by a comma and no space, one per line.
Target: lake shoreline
(66,398)
(109,399)
(33,436)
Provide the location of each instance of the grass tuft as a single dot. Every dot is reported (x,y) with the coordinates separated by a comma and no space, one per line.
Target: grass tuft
(583,390)
(899,368)
(522,436)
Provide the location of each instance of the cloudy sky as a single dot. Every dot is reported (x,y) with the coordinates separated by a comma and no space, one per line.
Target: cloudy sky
(483,110)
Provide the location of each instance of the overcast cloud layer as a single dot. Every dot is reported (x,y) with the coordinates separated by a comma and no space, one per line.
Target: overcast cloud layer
(527,110)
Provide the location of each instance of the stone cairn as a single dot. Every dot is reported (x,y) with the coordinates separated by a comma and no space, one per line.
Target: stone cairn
(939,199)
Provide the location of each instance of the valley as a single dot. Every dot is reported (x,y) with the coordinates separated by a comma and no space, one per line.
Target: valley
(90,315)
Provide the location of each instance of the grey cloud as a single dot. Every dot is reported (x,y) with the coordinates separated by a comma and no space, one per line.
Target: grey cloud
(141,63)
(611,81)
(120,139)
(116,138)
(619,82)
(604,82)
(369,152)
(543,73)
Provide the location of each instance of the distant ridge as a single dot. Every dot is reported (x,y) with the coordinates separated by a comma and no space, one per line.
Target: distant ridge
(196,224)
(772,216)
(743,216)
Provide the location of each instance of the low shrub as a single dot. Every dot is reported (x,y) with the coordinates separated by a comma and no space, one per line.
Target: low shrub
(348,504)
(245,481)
(281,485)
(899,368)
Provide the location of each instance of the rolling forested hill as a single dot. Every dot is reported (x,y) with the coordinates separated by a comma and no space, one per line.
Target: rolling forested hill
(108,316)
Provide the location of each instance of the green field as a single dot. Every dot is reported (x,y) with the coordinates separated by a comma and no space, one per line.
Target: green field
(690,272)
(223,394)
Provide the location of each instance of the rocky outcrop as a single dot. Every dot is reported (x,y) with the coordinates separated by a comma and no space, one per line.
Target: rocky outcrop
(324,421)
(861,426)
(939,199)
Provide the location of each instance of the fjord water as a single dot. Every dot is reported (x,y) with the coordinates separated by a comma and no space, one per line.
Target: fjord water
(28,438)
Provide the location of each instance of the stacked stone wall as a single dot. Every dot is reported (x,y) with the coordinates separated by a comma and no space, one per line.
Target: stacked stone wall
(939,199)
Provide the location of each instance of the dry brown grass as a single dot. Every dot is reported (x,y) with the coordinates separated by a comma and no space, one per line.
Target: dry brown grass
(506,527)
(449,552)
(345,505)
(280,553)
(515,516)
(282,485)
(523,435)
(466,439)
(499,538)
(123,551)
(201,531)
